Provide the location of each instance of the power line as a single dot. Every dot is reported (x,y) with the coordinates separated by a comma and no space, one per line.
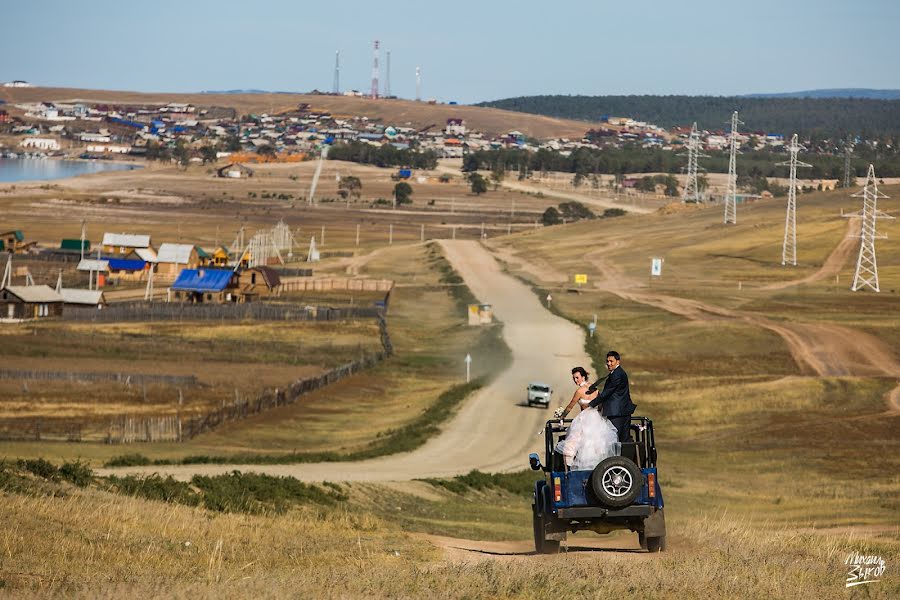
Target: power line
(691,188)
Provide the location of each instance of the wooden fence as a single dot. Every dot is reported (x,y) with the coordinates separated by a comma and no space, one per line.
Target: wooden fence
(124,378)
(176,311)
(335,283)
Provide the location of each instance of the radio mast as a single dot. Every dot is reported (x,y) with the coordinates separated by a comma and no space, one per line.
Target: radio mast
(374,90)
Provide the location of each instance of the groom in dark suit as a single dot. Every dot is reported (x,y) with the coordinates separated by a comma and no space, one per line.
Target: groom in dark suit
(615,399)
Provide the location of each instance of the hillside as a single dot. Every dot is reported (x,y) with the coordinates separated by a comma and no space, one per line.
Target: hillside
(492,121)
(834,93)
(779,115)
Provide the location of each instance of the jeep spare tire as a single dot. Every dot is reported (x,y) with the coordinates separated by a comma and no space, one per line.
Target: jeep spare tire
(616,481)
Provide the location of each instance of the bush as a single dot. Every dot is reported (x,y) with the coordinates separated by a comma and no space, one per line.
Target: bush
(573,211)
(155,487)
(551,216)
(39,467)
(258,493)
(129,460)
(613,212)
(77,472)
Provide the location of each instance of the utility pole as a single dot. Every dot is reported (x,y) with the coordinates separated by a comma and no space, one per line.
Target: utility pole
(789,246)
(866,266)
(731,191)
(82,239)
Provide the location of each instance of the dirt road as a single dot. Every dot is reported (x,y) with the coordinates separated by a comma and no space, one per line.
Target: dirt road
(492,431)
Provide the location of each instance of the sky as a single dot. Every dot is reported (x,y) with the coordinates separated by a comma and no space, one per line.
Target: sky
(469,51)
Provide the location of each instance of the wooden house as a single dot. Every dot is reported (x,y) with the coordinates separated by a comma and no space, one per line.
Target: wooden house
(256,282)
(14,241)
(123,269)
(204,286)
(121,244)
(78,298)
(171,259)
(29,302)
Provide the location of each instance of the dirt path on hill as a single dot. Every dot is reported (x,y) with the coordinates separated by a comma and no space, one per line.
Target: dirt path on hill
(833,264)
(587,199)
(492,430)
(821,349)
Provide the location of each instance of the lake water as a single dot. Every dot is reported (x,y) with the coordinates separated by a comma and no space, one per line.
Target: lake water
(35,169)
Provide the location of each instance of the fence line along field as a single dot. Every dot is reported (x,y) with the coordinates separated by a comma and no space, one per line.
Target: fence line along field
(68,374)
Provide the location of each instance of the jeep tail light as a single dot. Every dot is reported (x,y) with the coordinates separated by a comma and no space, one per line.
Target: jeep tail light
(557,490)
(651,483)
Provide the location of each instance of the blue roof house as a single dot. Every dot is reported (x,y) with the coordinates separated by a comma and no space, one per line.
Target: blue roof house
(204,285)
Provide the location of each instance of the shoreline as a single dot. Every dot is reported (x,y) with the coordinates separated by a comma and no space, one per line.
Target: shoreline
(124,166)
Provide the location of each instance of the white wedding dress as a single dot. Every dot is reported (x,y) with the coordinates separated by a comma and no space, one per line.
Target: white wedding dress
(590,439)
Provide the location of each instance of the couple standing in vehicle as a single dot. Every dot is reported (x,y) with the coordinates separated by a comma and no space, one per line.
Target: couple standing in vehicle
(604,419)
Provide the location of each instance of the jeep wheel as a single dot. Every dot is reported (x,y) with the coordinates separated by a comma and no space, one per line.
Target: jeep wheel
(541,544)
(616,481)
(656,544)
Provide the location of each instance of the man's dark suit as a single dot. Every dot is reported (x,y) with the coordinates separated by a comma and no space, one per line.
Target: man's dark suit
(615,400)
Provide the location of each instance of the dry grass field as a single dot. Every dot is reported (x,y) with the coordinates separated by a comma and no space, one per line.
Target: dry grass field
(775,465)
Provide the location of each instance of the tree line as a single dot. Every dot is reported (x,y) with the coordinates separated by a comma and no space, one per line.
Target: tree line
(385,155)
(838,117)
(634,158)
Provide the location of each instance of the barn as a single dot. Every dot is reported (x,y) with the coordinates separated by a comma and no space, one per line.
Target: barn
(257,282)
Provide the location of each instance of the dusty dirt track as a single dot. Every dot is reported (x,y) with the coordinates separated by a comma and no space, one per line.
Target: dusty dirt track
(493,431)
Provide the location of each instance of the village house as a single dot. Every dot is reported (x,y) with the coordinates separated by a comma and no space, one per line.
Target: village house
(14,241)
(256,282)
(40,144)
(30,302)
(455,127)
(124,269)
(79,299)
(171,259)
(235,171)
(124,243)
(204,286)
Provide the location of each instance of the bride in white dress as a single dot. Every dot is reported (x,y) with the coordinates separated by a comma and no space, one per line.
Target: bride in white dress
(591,436)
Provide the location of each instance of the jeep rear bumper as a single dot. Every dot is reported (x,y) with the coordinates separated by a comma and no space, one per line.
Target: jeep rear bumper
(596,512)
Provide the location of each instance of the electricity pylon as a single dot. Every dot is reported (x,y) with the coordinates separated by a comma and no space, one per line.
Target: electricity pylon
(691,189)
(789,246)
(731,191)
(866,265)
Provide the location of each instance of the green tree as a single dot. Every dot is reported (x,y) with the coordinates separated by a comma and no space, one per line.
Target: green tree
(402,193)
(477,183)
(181,153)
(232,143)
(266,150)
(350,185)
(208,153)
(551,216)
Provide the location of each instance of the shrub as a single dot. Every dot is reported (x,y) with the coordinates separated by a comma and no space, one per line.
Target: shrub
(77,472)
(155,487)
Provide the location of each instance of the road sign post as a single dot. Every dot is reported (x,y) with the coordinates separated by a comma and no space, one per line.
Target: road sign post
(468,367)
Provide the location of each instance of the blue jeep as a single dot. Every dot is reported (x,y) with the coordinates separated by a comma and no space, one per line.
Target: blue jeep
(622,492)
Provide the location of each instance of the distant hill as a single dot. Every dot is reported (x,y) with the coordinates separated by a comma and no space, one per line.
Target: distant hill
(825,116)
(835,93)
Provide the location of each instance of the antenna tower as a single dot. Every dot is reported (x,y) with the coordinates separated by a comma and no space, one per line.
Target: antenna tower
(848,151)
(789,246)
(691,189)
(336,88)
(387,75)
(418,84)
(374,91)
(866,266)
(731,192)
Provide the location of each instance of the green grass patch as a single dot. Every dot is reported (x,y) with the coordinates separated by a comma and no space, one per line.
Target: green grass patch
(520,483)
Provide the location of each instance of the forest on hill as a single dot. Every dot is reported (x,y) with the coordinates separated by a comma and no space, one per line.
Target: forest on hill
(833,117)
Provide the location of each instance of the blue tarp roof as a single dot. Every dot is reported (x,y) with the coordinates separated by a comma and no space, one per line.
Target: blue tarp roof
(121,264)
(202,280)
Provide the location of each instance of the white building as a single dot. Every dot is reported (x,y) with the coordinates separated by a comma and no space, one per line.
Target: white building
(40,143)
